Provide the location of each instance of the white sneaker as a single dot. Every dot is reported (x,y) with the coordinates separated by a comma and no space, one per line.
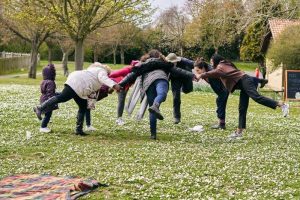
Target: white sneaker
(285,109)
(120,122)
(45,130)
(90,128)
(235,135)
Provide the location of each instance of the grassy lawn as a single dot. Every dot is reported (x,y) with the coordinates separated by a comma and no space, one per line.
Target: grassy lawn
(246,66)
(21,76)
(180,165)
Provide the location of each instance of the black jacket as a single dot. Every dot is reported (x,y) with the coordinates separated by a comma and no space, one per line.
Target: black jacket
(154,64)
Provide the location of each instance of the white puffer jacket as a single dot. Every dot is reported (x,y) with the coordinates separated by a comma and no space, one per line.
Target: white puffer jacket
(85,82)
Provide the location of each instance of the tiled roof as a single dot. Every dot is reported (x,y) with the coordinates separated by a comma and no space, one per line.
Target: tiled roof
(278,25)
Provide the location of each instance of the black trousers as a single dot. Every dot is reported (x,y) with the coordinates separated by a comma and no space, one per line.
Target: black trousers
(222,97)
(248,89)
(46,119)
(88,117)
(67,94)
(178,85)
(121,102)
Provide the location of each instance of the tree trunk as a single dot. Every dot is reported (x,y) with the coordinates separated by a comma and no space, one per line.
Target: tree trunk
(79,56)
(216,50)
(122,55)
(65,60)
(181,51)
(49,55)
(115,55)
(96,52)
(33,60)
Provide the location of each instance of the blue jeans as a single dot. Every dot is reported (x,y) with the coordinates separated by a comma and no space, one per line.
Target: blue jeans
(156,93)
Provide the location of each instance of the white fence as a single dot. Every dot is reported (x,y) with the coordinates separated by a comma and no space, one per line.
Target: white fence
(11,62)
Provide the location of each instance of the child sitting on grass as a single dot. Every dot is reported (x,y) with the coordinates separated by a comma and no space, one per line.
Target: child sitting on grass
(48,87)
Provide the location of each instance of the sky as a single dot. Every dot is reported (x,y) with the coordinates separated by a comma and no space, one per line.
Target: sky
(164,4)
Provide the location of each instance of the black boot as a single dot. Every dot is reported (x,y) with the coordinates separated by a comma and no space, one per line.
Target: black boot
(155,109)
(219,126)
(153,136)
(39,110)
(79,125)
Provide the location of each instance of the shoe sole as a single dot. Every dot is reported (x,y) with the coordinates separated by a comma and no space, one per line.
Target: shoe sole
(38,116)
(81,134)
(158,116)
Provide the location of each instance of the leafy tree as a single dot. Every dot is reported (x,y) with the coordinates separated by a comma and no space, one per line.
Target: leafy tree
(80,18)
(28,22)
(286,49)
(214,24)
(251,44)
(256,18)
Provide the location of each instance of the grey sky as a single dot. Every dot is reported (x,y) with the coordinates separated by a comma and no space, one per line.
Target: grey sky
(164,4)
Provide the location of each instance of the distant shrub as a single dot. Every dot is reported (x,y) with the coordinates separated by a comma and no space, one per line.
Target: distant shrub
(286,49)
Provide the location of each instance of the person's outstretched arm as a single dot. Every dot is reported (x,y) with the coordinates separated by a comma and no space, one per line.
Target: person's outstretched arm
(181,73)
(215,73)
(188,63)
(151,65)
(130,78)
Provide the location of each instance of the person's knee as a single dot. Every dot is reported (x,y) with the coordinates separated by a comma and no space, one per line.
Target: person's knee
(163,97)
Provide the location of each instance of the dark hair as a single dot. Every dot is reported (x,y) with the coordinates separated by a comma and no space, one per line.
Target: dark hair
(154,53)
(216,58)
(200,63)
(49,72)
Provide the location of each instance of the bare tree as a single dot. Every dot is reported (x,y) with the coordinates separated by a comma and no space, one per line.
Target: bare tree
(173,23)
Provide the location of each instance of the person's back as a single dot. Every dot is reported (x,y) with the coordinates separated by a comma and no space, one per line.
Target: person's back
(90,80)
(149,77)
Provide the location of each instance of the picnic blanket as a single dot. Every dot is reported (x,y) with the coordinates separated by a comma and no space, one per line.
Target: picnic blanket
(44,187)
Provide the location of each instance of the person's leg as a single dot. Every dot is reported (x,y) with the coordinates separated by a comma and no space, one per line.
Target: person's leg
(46,119)
(151,94)
(262,82)
(176,91)
(248,86)
(243,107)
(121,104)
(161,89)
(67,94)
(82,104)
(187,86)
(221,102)
(88,117)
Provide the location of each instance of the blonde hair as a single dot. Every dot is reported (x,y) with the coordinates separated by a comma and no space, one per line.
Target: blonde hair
(106,67)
